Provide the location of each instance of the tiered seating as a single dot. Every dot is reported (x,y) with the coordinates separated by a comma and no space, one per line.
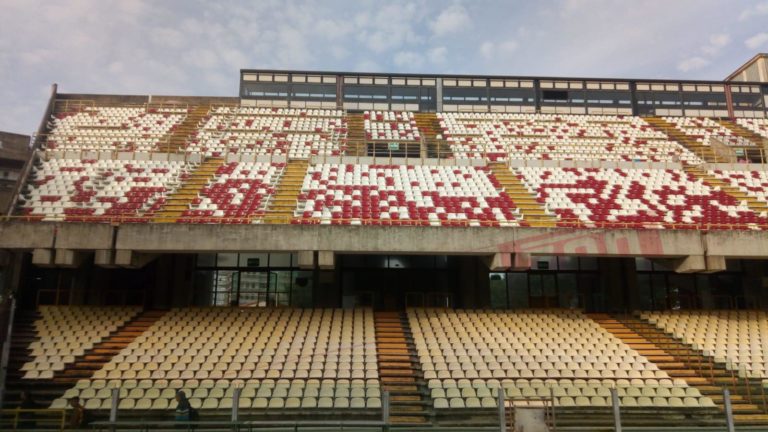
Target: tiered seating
(558,137)
(704,130)
(758,126)
(238,194)
(126,128)
(99,190)
(753,183)
(296,133)
(404,194)
(391,126)
(468,355)
(647,198)
(737,338)
(283,358)
(64,333)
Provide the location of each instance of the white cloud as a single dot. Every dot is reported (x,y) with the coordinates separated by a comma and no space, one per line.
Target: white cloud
(437,55)
(757,41)
(716,43)
(451,20)
(692,64)
(407,59)
(491,50)
(756,10)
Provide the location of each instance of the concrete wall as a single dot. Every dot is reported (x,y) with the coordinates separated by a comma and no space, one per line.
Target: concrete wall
(179,238)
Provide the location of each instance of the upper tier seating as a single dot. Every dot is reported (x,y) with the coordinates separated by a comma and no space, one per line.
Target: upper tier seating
(133,129)
(391,126)
(238,194)
(467,355)
(99,190)
(752,183)
(296,133)
(558,137)
(705,130)
(737,338)
(647,198)
(64,333)
(284,358)
(758,126)
(404,194)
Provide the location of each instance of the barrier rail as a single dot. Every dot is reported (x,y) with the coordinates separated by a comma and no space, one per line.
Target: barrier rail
(40,419)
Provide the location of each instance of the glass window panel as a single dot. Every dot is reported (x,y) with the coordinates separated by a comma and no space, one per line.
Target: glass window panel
(206,260)
(643,264)
(226,287)
(568,263)
(227,260)
(518,290)
(644,294)
(588,263)
(567,290)
(301,294)
(203,284)
(498,290)
(254,260)
(280,260)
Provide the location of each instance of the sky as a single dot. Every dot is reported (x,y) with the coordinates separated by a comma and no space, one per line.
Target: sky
(196,47)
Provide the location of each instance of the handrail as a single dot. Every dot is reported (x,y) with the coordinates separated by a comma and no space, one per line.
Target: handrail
(57,416)
(298,220)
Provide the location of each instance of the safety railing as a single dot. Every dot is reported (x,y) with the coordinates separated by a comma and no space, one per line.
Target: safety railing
(32,419)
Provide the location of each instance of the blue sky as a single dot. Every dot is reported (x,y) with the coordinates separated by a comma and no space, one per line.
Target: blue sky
(194,47)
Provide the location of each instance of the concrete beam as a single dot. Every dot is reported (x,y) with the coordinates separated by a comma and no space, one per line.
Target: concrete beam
(521,261)
(325,260)
(306,260)
(499,262)
(132,259)
(202,238)
(27,235)
(715,263)
(690,264)
(84,236)
(105,258)
(69,258)
(737,244)
(42,257)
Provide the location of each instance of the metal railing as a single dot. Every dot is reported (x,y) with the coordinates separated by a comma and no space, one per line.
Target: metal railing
(26,419)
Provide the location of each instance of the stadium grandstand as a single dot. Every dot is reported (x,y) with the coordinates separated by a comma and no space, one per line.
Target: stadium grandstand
(394,251)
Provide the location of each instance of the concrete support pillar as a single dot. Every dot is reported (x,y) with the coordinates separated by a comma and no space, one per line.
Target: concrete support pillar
(521,261)
(306,260)
(326,260)
(105,258)
(69,258)
(42,257)
(715,263)
(132,259)
(690,264)
(500,262)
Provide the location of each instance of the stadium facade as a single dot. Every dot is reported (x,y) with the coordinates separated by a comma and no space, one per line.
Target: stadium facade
(430,212)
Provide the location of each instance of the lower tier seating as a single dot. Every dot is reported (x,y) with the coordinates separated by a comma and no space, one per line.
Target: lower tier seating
(637,198)
(218,394)
(530,352)
(406,195)
(737,338)
(63,333)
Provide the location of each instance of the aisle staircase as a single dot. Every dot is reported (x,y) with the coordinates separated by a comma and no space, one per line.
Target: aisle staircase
(356,140)
(283,203)
(101,353)
(177,138)
(753,203)
(743,132)
(193,183)
(700,150)
(429,127)
(400,371)
(697,369)
(532,211)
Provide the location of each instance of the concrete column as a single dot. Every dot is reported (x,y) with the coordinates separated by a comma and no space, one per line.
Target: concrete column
(690,264)
(42,257)
(500,262)
(521,261)
(104,258)
(132,259)
(326,260)
(69,258)
(306,260)
(715,263)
